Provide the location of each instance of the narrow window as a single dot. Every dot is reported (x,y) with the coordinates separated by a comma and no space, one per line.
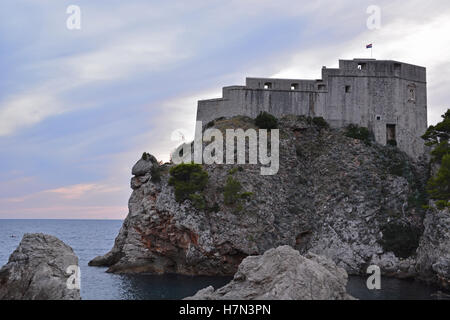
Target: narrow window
(411,93)
(347,89)
(321,87)
(378,118)
(268,85)
(294,86)
(361,66)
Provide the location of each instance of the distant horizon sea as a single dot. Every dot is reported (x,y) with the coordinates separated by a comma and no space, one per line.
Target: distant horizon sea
(91,238)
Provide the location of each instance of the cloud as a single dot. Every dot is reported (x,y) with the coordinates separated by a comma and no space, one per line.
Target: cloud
(417,42)
(128,53)
(67,212)
(90,201)
(26,110)
(79,190)
(94,100)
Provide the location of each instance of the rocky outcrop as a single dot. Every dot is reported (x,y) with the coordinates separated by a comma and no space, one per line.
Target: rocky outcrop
(333,196)
(282,274)
(433,255)
(36,270)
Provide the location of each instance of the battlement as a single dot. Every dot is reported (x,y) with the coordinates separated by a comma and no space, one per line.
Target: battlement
(388,97)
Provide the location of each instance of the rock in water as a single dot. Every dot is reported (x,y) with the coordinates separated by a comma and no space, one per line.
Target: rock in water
(282,274)
(36,270)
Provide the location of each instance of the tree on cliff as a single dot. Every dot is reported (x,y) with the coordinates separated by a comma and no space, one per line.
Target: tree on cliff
(439,186)
(438,137)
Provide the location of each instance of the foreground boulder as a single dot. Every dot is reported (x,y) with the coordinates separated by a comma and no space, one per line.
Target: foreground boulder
(282,274)
(36,270)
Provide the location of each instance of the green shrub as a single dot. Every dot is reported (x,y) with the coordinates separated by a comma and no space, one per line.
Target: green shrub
(187,179)
(214,208)
(438,187)
(397,168)
(438,136)
(198,201)
(401,239)
(231,191)
(246,195)
(156,173)
(442,204)
(266,121)
(320,122)
(441,149)
(233,170)
(356,132)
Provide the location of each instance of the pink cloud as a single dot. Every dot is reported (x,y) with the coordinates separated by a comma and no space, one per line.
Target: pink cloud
(68,212)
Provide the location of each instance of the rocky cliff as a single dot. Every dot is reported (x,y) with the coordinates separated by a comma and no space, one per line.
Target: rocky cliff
(282,274)
(433,254)
(351,200)
(36,270)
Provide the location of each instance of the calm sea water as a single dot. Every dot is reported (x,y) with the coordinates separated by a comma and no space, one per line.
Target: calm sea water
(90,238)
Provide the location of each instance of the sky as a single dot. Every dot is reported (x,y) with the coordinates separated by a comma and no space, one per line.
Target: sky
(78,107)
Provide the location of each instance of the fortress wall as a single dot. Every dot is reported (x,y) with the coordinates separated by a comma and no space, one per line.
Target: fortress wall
(250,102)
(280,84)
(208,110)
(365,92)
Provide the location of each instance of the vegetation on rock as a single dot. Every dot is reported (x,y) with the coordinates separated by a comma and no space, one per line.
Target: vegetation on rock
(439,186)
(356,132)
(231,191)
(320,122)
(401,239)
(187,179)
(438,136)
(266,121)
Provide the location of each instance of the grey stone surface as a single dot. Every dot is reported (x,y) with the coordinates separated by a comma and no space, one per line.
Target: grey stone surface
(332,196)
(433,254)
(36,270)
(143,166)
(282,274)
(377,95)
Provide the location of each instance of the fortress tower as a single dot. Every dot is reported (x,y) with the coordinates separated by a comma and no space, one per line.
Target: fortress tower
(388,97)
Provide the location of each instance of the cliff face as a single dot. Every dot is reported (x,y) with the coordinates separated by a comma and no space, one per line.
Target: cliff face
(353,202)
(433,255)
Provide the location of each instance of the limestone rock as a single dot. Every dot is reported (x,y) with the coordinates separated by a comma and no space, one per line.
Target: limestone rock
(144,165)
(433,254)
(282,274)
(332,196)
(36,270)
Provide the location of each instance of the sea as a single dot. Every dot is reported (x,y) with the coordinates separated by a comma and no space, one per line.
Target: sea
(91,238)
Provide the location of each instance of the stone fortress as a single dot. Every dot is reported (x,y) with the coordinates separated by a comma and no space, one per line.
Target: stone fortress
(388,97)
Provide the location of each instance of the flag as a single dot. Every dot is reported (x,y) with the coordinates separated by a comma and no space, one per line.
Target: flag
(369,46)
